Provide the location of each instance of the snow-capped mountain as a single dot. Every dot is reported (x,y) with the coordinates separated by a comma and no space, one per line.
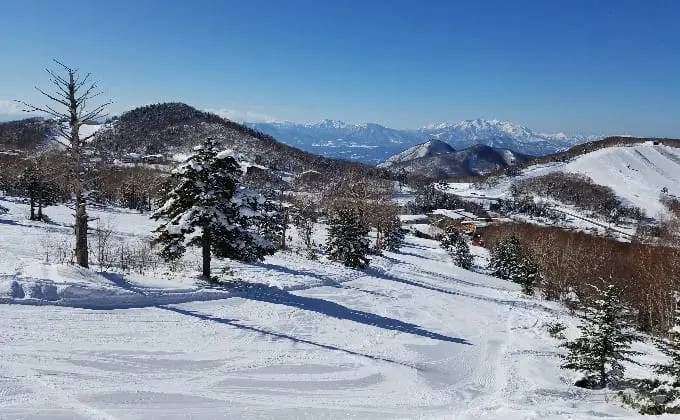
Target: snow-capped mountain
(368,143)
(429,148)
(373,143)
(503,134)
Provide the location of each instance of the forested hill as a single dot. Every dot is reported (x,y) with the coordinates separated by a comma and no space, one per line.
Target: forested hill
(25,134)
(174,128)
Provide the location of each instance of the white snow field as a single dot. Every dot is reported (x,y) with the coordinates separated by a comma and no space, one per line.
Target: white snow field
(636,173)
(411,337)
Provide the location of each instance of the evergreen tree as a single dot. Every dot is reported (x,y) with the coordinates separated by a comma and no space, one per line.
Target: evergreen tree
(506,258)
(207,208)
(511,261)
(670,346)
(455,243)
(528,272)
(271,225)
(348,240)
(394,235)
(607,331)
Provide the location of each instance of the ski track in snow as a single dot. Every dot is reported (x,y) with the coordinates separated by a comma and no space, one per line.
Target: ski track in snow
(410,337)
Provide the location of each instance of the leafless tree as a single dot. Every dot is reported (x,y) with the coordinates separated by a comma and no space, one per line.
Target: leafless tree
(70,103)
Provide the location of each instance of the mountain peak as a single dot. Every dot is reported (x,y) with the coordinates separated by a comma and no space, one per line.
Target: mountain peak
(429,148)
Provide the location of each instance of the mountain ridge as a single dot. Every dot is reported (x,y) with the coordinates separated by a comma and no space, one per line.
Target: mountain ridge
(374,143)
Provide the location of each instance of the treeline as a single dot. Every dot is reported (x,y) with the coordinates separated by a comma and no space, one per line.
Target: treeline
(429,198)
(570,262)
(578,190)
(43,179)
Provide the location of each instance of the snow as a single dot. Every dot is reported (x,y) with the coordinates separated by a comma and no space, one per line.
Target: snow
(410,337)
(86,130)
(636,173)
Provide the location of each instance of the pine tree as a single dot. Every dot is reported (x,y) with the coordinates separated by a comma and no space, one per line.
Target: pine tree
(455,243)
(607,331)
(670,346)
(511,261)
(393,236)
(271,225)
(528,273)
(348,240)
(506,258)
(207,208)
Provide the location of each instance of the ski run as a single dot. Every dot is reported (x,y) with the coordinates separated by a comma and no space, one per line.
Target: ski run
(412,336)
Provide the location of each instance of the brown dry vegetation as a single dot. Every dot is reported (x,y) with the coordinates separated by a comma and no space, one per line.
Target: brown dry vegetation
(648,274)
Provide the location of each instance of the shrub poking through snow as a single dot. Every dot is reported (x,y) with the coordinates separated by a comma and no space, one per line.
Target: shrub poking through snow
(207,208)
(348,240)
(510,261)
(455,243)
(607,331)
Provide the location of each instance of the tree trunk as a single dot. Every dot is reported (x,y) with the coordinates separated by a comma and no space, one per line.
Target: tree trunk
(32,206)
(206,253)
(603,376)
(40,204)
(81,232)
(285,228)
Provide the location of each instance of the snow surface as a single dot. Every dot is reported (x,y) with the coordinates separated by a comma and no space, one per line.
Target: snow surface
(410,337)
(636,173)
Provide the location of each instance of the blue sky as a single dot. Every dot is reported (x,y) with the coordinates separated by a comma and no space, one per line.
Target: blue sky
(597,66)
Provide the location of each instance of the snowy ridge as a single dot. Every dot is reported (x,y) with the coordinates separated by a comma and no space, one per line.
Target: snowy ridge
(636,173)
(373,143)
(429,148)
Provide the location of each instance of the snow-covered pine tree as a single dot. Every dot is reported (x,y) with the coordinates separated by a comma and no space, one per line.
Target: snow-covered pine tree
(455,243)
(528,273)
(271,225)
(207,208)
(607,331)
(506,258)
(670,346)
(394,235)
(348,240)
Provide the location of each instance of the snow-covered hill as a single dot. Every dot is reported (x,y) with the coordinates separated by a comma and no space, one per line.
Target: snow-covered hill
(411,337)
(429,148)
(637,174)
(436,159)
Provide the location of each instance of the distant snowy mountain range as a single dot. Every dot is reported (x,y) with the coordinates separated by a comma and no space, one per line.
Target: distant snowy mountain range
(374,143)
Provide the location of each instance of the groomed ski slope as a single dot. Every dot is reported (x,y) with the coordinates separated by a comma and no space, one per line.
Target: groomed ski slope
(636,173)
(411,337)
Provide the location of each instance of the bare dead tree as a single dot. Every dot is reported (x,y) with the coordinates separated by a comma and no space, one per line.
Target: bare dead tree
(69,102)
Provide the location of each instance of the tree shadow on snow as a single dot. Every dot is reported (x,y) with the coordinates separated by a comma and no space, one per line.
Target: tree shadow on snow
(236,324)
(324,280)
(335,310)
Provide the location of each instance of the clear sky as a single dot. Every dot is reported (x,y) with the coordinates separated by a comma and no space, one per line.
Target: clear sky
(599,66)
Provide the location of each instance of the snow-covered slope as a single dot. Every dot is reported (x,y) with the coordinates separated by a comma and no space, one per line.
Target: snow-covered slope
(425,160)
(429,148)
(411,337)
(636,173)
